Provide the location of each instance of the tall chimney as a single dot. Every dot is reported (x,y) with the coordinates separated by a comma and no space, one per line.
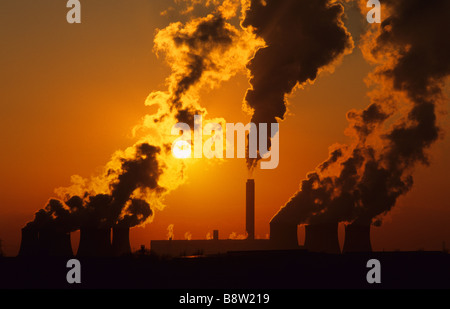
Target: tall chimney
(250,209)
(322,238)
(29,244)
(121,241)
(357,238)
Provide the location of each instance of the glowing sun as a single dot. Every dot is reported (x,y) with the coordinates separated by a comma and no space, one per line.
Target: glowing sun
(181,150)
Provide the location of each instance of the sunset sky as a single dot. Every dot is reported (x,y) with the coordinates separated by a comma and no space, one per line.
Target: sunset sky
(71,95)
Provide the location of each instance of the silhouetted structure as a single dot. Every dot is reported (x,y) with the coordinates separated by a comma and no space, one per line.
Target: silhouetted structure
(121,241)
(53,242)
(357,238)
(207,246)
(216,234)
(322,238)
(95,242)
(29,245)
(250,209)
(215,245)
(283,235)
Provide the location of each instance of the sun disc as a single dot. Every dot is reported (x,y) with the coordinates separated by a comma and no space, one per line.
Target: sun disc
(181,150)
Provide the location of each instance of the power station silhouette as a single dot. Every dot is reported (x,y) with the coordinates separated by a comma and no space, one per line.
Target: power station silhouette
(96,242)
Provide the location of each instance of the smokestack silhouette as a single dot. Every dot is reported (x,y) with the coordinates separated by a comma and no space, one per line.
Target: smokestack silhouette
(95,242)
(357,238)
(250,209)
(322,238)
(121,241)
(29,245)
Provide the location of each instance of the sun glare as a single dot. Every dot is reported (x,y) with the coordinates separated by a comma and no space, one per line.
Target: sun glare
(181,150)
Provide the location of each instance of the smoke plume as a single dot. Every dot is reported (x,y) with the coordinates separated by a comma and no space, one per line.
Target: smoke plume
(202,52)
(361,182)
(302,38)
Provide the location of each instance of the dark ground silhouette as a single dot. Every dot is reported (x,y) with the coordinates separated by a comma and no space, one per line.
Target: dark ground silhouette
(291,269)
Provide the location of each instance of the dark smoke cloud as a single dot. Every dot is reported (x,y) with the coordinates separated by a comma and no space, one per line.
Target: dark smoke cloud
(56,215)
(211,33)
(106,210)
(136,213)
(420,31)
(302,37)
(371,178)
(334,156)
(142,171)
(194,50)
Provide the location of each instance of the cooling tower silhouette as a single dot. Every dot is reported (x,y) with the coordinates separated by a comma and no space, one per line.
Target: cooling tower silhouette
(357,238)
(322,238)
(29,245)
(95,242)
(53,242)
(121,241)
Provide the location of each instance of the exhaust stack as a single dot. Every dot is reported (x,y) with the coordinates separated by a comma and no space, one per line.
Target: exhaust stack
(250,209)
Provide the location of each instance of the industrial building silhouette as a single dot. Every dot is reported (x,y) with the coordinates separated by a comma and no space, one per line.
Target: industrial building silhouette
(97,242)
(318,237)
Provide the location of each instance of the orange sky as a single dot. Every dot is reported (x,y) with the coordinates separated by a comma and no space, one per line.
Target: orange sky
(71,94)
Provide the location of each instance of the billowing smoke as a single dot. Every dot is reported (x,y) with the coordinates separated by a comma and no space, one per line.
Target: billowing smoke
(202,52)
(141,172)
(56,216)
(170,234)
(302,38)
(362,182)
(136,212)
(210,33)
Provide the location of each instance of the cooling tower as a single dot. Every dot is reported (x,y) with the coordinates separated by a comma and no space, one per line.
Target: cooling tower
(95,242)
(53,242)
(283,235)
(250,209)
(322,238)
(29,244)
(121,241)
(357,238)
